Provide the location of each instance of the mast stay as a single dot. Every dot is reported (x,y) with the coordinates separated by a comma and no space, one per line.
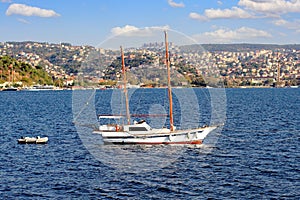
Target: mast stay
(124,85)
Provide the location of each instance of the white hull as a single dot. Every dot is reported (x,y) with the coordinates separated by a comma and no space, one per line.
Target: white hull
(141,132)
(193,136)
(33,140)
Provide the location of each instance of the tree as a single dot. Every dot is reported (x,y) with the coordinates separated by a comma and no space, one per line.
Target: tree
(23,72)
(199,81)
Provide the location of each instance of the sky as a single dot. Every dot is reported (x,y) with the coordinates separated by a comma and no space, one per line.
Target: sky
(92,22)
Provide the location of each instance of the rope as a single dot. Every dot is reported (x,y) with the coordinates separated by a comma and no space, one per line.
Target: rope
(85,105)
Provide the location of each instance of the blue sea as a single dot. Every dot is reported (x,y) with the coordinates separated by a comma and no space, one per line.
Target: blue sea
(255,155)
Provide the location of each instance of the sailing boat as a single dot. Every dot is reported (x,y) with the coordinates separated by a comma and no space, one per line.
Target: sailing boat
(141,132)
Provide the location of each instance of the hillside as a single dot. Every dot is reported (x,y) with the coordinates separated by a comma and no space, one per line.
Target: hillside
(248,47)
(199,65)
(64,55)
(12,70)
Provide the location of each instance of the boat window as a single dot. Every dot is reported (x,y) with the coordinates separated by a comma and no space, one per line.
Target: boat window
(137,129)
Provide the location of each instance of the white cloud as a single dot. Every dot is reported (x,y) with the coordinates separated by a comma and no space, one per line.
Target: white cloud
(22,9)
(176,5)
(23,21)
(234,12)
(6,1)
(250,9)
(294,25)
(280,22)
(271,6)
(223,35)
(198,17)
(129,30)
(123,30)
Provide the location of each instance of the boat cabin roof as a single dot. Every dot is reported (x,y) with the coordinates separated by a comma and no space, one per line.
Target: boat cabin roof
(110,117)
(137,127)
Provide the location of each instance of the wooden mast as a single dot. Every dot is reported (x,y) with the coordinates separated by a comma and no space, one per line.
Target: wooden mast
(169,83)
(10,75)
(125,89)
(278,71)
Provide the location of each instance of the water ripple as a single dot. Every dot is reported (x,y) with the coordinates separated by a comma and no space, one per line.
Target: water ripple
(256,157)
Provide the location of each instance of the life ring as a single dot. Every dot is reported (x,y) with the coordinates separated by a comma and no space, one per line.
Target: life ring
(117,128)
